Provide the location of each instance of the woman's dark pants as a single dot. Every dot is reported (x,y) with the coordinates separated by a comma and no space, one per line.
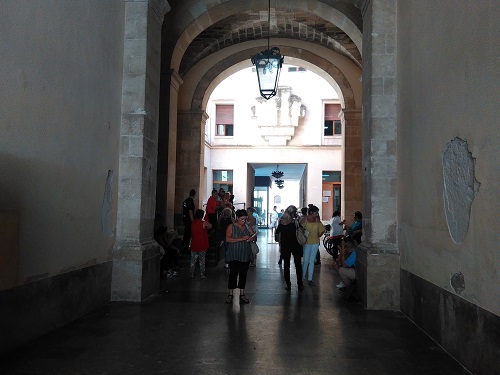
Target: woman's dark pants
(237,268)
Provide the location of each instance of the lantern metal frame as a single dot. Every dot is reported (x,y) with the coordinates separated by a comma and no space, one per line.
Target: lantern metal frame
(268,65)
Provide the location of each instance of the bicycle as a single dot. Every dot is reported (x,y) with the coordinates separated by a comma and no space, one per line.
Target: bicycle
(331,244)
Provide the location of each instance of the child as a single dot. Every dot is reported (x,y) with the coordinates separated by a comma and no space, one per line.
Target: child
(199,242)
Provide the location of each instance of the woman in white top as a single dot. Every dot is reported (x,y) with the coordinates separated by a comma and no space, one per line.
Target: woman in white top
(336,234)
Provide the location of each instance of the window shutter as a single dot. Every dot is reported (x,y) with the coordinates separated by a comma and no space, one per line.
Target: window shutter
(224,114)
(332,111)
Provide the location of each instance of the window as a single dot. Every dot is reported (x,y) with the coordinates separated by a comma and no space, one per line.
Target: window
(296,69)
(224,120)
(331,176)
(333,125)
(223,179)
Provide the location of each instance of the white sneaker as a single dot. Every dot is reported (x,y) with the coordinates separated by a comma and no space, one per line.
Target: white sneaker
(340,285)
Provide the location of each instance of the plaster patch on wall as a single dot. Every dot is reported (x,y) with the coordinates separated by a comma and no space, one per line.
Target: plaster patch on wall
(460,187)
(106,220)
(458,282)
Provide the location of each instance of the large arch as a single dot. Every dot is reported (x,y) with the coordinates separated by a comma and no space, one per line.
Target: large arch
(200,81)
(188,20)
(335,68)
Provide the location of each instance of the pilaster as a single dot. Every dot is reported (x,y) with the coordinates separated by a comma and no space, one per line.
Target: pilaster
(136,256)
(190,150)
(167,147)
(379,264)
(352,180)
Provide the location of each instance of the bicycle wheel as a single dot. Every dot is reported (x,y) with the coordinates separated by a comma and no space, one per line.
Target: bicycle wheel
(328,244)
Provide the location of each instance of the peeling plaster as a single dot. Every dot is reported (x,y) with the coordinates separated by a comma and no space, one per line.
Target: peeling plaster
(460,187)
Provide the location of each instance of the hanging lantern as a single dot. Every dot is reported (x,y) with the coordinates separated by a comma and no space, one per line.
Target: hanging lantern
(277,173)
(268,64)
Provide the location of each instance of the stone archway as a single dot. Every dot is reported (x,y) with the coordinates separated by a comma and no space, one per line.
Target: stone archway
(379,21)
(192,18)
(196,90)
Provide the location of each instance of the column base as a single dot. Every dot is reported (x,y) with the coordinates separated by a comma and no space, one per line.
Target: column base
(378,274)
(136,271)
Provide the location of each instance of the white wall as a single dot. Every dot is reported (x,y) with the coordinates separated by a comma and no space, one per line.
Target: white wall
(449,91)
(241,89)
(60,95)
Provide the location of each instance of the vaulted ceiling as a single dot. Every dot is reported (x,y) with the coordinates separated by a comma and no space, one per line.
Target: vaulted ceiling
(251,25)
(227,27)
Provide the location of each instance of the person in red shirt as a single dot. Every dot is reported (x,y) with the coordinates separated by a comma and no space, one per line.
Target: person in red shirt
(199,242)
(212,205)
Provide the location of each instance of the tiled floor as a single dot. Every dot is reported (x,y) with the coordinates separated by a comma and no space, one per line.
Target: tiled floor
(188,329)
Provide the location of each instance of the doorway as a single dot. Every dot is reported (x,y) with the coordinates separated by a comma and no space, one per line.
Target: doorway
(331,195)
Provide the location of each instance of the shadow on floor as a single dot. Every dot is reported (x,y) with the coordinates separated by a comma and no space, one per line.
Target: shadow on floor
(187,328)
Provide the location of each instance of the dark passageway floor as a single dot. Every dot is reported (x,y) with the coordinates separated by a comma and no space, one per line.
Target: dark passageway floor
(187,328)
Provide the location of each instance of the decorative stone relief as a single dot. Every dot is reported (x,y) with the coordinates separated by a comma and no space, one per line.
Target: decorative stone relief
(460,187)
(286,108)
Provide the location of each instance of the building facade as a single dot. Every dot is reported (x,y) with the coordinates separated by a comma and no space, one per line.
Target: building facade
(299,132)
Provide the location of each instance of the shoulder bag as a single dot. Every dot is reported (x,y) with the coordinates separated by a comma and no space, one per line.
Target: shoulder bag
(301,233)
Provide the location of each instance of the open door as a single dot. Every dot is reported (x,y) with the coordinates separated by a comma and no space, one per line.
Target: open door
(331,199)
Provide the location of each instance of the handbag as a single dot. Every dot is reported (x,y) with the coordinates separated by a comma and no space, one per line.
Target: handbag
(301,233)
(255,248)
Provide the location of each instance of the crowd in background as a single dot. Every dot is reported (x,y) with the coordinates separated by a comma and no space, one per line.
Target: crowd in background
(235,230)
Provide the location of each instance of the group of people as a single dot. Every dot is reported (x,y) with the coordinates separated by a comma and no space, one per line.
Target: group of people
(344,259)
(289,245)
(236,229)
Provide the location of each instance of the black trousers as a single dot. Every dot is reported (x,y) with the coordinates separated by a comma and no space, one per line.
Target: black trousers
(212,219)
(298,266)
(237,268)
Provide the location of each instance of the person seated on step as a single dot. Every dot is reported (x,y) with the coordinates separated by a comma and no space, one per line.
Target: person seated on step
(346,268)
(169,252)
(355,231)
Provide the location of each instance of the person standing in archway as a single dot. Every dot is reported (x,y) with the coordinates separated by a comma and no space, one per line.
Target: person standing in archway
(273,219)
(289,246)
(238,237)
(199,243)
(316,229)
(212,205)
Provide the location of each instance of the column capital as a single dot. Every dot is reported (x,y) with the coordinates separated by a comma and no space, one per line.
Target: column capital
(174,77)
(351,114)
(194,115)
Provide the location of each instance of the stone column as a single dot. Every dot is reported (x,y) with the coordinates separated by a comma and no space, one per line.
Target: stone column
(352,181)
(136,272)
(190,149)
(378,268)
(167,147)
